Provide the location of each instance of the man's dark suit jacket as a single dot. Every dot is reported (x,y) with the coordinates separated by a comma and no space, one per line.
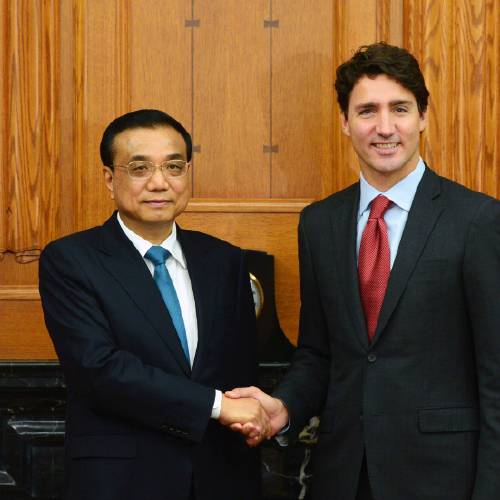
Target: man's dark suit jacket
(423,400)
(138,418)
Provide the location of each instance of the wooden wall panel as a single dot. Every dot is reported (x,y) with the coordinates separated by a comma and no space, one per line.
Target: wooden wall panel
(259,227)
(30,125)
(3,128)
(160,67)
(231,99)
(302,99)
(457,44)
(253,81)
(101,63)
(491,166)
(23,335)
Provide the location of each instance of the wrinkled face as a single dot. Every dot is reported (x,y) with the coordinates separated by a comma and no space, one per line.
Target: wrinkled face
(148,206)
(384,125)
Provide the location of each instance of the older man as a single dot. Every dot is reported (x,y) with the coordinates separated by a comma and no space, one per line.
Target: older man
(151,324)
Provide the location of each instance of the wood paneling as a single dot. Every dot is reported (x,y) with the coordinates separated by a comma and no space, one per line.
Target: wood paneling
(160,69)
(302,99)
(253,82)
(23,334)
(270,231)
(30,123)
(231,99)
(102,93)
(457,44)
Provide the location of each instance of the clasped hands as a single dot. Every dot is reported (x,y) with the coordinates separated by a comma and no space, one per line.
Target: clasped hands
(253,413)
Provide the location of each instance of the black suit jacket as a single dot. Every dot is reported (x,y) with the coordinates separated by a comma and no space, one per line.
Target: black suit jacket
(138,418)
(423,400)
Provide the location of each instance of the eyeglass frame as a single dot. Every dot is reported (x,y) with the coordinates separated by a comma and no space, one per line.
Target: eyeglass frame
(154,166)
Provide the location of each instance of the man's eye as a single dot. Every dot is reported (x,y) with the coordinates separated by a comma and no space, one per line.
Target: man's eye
(139,169)
(401,109)
(174,168)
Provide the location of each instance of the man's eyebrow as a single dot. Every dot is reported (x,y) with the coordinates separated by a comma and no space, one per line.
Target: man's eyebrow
(373,104)
(174,156)
(365,105)
(402,101)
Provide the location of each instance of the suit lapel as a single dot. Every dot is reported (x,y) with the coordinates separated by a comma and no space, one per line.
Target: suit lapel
(422,218)
(344,221)
(203,276)
(127,266)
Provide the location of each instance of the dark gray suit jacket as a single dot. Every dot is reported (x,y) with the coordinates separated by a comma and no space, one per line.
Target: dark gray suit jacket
(138,418)
(423,400)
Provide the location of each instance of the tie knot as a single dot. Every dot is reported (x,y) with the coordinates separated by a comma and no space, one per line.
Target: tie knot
(378,207)
(157,255)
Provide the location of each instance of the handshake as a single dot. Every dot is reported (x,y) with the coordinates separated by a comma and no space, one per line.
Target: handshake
(253,413)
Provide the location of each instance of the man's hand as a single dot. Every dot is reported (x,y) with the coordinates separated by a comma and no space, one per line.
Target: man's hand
(274,407)
(246,412)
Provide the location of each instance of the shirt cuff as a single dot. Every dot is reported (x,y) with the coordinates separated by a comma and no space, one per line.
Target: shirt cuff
(217,405)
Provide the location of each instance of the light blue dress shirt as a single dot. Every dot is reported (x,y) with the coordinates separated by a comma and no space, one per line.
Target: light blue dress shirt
(401,195)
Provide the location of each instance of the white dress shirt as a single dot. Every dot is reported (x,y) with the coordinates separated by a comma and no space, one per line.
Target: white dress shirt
(177,268)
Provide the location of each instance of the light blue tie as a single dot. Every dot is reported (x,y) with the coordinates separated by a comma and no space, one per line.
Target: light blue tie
(158,255)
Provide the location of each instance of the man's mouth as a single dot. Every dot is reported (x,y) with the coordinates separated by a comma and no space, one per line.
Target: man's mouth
(385,145)
(157,203)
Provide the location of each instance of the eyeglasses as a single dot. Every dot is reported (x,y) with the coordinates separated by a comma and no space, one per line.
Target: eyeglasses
(145,169)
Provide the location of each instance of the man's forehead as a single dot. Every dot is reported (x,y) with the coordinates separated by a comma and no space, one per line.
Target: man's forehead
(149,139)
(380,89)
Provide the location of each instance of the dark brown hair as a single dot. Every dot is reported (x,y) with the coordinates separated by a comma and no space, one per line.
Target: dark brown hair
(381,59)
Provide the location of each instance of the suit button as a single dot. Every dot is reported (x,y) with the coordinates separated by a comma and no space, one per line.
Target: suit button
(372,357)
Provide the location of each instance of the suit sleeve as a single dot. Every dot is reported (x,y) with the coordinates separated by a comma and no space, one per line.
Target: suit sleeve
(482,289)
(304,387)
(104,377)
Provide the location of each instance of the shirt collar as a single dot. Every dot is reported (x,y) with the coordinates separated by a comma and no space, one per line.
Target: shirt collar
(401,194)
(171,243)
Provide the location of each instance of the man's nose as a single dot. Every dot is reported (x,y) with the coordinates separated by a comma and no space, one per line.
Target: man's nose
(385,124)
(157,179)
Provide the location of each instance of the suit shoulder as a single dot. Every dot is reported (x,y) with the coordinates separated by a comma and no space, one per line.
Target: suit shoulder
(207,241)
(326,205)
(78,239)
(464,198)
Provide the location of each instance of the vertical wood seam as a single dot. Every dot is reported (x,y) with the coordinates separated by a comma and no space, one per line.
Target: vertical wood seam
(80,156)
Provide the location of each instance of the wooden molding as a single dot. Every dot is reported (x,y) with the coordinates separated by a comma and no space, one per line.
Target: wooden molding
(249,205)
(19,292)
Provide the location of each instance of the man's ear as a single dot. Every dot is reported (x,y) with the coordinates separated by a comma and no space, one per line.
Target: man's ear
(423,121)
(108,180)
(345,124)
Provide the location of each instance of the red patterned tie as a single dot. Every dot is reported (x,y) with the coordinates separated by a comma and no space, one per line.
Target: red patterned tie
(374,264)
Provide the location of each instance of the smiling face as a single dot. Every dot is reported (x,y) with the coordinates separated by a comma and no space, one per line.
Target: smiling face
(148,206)
(384,125)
